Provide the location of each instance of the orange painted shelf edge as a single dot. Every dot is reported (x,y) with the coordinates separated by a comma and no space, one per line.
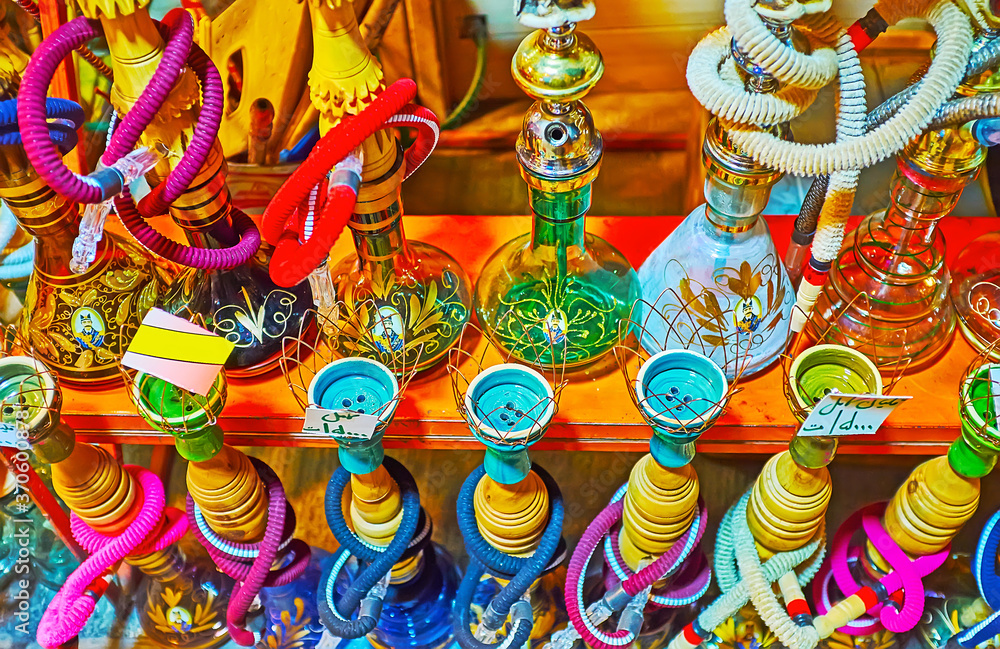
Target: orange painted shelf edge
(596,412)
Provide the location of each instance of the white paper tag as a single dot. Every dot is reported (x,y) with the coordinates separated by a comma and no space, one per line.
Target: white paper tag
(995,389)
(8,435)
(849,414)
(340,424)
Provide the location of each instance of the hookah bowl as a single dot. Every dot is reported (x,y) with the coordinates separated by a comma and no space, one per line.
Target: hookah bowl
(510,511)
(887,295)
(716,282)
(557,294)
(387,563)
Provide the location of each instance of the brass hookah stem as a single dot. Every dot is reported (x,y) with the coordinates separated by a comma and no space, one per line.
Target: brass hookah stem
(659,507)
(136,51)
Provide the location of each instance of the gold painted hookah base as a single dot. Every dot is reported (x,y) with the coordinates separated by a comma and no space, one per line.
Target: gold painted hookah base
(79,325)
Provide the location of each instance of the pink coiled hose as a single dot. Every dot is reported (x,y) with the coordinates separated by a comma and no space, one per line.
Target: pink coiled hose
(906,573)
(154,528)
(177,30)
(665,564)
(250,563)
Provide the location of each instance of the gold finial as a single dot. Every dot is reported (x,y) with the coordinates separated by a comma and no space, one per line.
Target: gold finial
(230,494)
(659,508)
(512,517)
(345,77)
(787,505)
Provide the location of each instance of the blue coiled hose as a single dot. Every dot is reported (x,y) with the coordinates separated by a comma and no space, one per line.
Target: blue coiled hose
(380,560)
(68,115)
(522,572)
(984,568)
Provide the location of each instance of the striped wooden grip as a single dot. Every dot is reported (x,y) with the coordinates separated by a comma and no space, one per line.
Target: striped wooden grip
(512,517)
(97,489)
(230,495)
(787,505)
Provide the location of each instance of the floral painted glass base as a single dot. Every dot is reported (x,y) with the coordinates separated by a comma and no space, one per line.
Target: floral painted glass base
(556,295)
(975,290)
(546,603)
(720,291)
(417,301)
(416,614)
(245,307)
(184,602)
(953,605)
(292,617)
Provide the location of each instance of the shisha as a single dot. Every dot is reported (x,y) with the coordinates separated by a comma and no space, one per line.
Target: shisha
(652,528)
(236,506)
(159,73)
(118,512)
(384,534)
(510,511)
(352,178)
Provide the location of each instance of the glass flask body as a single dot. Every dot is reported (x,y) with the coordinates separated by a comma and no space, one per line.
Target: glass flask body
(719,288)
(183,605)
(546,597)
(659,624)
(416,611)
(397,294)
(558,294)
(79,325)
(292,617)
(975,290)
(887,294)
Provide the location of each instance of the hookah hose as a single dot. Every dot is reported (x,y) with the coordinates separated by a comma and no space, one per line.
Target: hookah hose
(153,529)
(984,569)
(522,572)
(293,260)
(632,584)
(336,616)
(250,563)
(742,577)
(20,263)
(180,53)
(905,576)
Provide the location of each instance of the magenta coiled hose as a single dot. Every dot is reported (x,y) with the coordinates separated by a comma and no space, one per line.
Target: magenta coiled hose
(666,563)
(257,573)
(906,573)
(154,528)
(180,51)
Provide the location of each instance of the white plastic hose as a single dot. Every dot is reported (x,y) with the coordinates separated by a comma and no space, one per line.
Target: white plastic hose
(938,85)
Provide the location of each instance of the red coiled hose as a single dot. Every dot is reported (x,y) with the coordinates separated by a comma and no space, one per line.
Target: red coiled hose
(293,260)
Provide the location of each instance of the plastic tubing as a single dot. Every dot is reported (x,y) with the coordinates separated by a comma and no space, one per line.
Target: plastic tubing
(984,569)
(337,617)
(943,76)
(62,133)
(179,52)
(521,571)
(293,259)
(154,528)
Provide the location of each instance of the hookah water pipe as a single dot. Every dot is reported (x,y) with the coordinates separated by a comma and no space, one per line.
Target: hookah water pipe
(387,568)
(510,511)
(118,512)
(236,505)
(651,530)
(422,290)
(557,288)
(756,37)
(77,324)
(171,99)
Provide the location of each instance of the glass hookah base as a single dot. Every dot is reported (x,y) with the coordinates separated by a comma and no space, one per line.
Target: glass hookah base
(903,346)
(574,331)
(977,302)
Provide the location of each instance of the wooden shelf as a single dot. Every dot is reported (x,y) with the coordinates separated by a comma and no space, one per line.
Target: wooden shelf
(596,412)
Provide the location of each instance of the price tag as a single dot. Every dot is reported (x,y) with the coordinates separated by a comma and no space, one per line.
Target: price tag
(995,389)
(342,425)
(8,435)
(849,414)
